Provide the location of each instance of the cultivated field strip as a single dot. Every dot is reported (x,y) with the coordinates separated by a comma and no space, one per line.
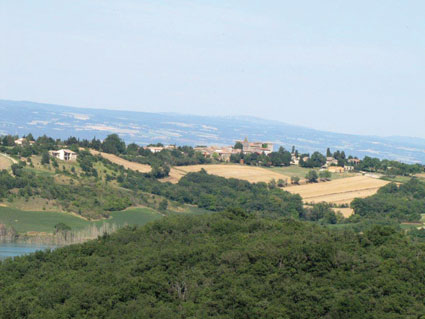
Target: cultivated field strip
(249,173)
(142,168)
(340,191)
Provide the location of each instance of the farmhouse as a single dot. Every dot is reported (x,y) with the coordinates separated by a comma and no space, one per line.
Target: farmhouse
(64,155)
(256,147)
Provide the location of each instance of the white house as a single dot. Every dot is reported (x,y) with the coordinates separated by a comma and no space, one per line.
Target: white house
(64,155)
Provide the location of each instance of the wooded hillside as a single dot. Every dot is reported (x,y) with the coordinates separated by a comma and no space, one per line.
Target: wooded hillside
(224,265)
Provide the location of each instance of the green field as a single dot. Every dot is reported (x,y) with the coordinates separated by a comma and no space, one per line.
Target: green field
(25,221)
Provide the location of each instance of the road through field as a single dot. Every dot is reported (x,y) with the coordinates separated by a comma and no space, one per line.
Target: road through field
(250,173)
(340,191)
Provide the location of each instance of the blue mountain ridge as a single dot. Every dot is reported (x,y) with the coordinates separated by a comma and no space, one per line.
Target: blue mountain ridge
(58,121)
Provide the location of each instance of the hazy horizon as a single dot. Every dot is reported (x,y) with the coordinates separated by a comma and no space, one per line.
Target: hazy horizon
(353,68)
(218,116)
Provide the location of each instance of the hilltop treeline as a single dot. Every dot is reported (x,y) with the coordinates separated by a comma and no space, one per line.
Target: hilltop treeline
(225,265)
(388,167)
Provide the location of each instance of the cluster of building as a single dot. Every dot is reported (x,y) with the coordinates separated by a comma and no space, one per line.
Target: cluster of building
(332,165)
(256,147)
(224,152)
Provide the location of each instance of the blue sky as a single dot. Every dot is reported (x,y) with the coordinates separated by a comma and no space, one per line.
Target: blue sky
(344,66)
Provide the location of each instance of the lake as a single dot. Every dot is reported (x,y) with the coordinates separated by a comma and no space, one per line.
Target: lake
(18,249)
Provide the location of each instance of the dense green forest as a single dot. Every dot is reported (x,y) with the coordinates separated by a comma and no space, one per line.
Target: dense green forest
(217,193)
(224,265)
(404,203)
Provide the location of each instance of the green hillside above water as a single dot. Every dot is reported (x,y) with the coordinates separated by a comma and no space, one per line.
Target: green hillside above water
(224,265)
(39,221)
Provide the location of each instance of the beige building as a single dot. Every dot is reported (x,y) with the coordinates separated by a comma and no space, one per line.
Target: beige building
(336,169)
(256,147)
(157,149)
(22,141)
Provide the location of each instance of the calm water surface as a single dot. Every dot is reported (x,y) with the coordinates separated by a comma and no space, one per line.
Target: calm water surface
(18,249)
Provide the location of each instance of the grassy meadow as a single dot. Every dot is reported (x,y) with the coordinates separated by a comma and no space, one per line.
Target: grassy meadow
(42,221)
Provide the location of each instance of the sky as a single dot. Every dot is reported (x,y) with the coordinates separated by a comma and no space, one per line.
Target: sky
(343,66)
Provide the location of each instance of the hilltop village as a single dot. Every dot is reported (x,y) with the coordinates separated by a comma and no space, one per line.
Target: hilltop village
(244,152)
(235,154)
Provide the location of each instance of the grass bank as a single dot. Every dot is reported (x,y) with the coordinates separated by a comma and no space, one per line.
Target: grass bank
(40,221)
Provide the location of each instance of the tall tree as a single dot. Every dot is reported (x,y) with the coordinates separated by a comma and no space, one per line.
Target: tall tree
(113,144)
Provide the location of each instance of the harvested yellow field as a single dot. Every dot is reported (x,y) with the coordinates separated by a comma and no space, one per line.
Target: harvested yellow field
(5,162)
(250,173)
(142,168)
(339,191)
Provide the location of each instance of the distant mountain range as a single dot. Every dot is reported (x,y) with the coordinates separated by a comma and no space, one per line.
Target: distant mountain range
(20,117)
